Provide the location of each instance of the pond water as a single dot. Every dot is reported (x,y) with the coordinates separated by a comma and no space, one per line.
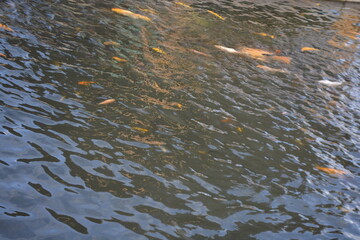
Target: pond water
(207,137)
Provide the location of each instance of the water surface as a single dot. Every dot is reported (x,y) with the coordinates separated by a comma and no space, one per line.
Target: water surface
(200,143)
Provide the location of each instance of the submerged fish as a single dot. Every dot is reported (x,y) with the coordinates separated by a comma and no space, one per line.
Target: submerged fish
(140,129)
(3,26)
(266,35)
(108,101)
(215,14)
(330,83)
(119,59)
(266,68)
(158,50)
(86,83)
(305,49)
(255,53)
(331,170)
(183,4)
(111,43)
(198,52)
(226,49)
(130,14)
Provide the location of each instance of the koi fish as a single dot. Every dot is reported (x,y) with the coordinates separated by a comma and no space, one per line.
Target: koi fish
(266,35)
(227,120)
(200,53)
(111,43)
(216,15)
(304,49)
(158,50)
(183,4)
(3,26)
(330,83)
(130,14)
(119,59)
(86,83)
(256,54)
(108,101)
(148,10)
(331,170)
(140,129)
(226,49)
(283,59)
(266,68)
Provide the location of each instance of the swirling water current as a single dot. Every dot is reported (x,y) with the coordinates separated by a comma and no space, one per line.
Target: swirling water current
(199,143)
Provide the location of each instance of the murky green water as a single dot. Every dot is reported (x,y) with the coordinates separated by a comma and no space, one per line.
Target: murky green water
(200,143)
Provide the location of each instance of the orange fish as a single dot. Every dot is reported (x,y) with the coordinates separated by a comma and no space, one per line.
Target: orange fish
(266,35)
(119,59)
(258,54)
(108,101)
(2,55)
(86,83)
(304,49)
(130,14)
(158,50)
(3,26)
(255,53)
(283,59)
(140,129)
(215,14)
(111,43)
(331,170)
(183,4)
(227,120)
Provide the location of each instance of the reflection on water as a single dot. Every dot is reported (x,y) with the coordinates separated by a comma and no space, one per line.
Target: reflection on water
(201,142)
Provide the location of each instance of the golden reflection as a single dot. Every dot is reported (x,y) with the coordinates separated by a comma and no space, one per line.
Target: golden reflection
(346,38)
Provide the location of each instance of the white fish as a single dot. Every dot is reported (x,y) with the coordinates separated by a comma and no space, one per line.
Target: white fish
(330,83)
(226,49)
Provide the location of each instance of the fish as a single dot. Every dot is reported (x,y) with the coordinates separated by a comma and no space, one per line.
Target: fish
(108,101)
(130,14)
(227,120)
(119,59)
(283,59)
(216,15)
(111,43)
(266,68)
(86,83)
(158,50)
(3,26)
(200,53)
(266,35)
(255,53)
(140,129)
(304,49)
(226,49)
(2,55)
(331,170)
(183,4)
(330,83)
(148,10)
